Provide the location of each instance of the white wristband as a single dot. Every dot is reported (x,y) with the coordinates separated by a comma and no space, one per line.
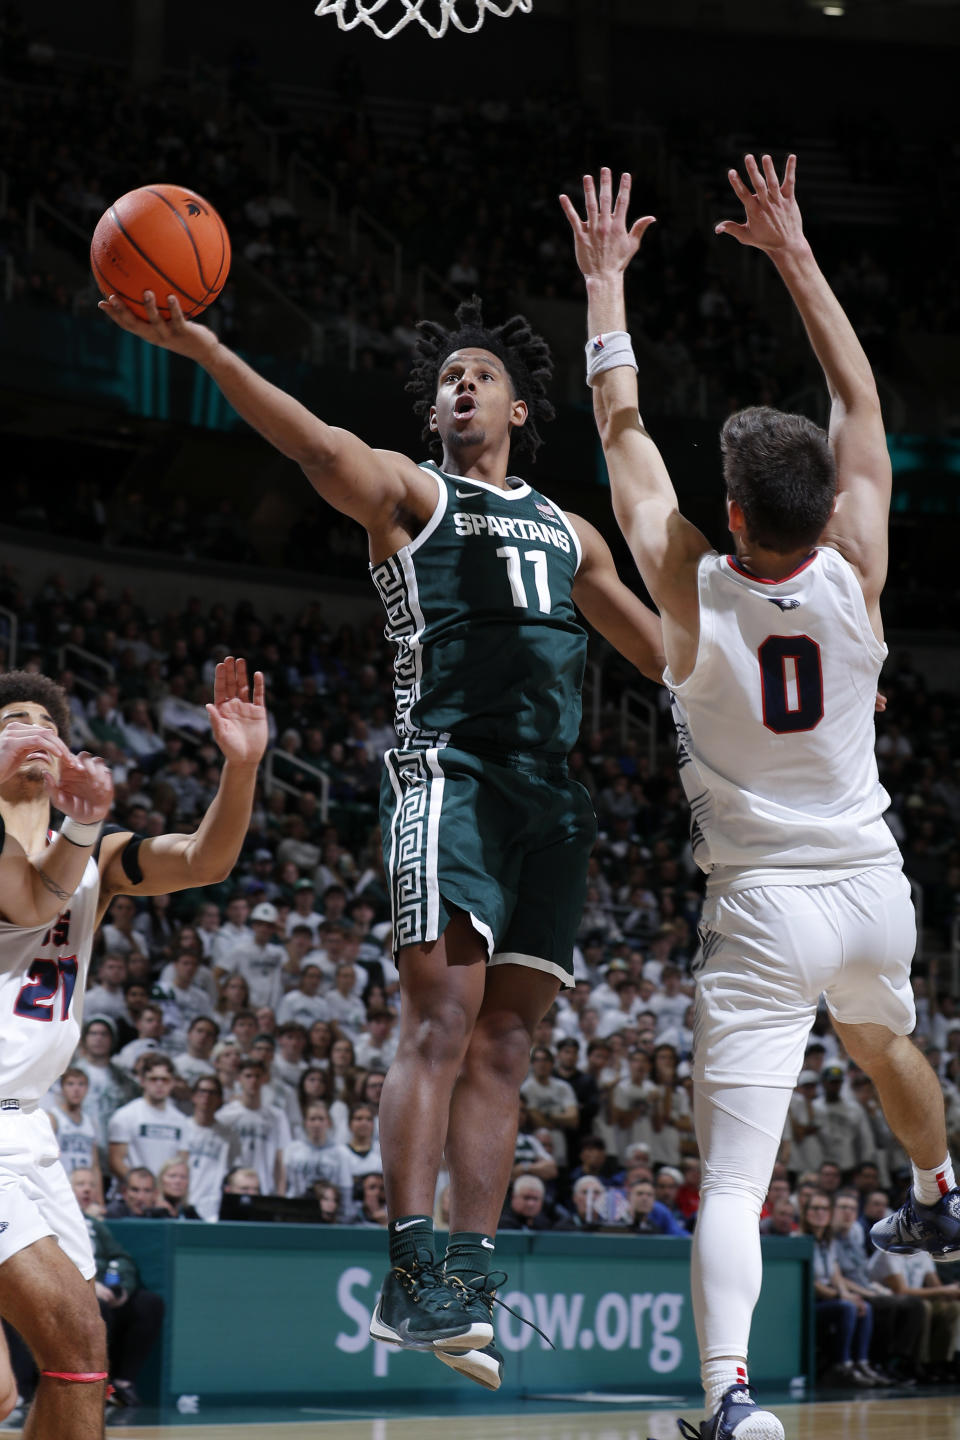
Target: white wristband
(607,352)
(80,834)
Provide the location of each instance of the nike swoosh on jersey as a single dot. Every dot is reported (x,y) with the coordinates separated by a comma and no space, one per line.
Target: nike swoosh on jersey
(408,1224)
(468,494)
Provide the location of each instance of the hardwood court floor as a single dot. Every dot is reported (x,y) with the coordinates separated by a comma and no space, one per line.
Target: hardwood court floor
(932,1416)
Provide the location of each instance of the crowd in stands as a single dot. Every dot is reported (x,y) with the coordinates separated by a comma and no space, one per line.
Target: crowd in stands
(245,1029)
(235,1039)
(81,137)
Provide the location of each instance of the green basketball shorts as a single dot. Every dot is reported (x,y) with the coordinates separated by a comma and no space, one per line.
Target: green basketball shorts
(506,840)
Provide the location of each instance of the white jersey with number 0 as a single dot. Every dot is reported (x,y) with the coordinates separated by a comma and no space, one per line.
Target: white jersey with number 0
(43,974)
(775,727)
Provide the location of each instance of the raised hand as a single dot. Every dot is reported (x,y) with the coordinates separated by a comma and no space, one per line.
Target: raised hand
(239,723)
(83,789)
(773,219)
(602,243)
(178,334)
(20,744)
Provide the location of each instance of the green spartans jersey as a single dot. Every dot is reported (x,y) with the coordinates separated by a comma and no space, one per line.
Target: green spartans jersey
(489,651)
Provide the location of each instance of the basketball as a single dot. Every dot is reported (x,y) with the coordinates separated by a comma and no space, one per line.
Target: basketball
(163,238)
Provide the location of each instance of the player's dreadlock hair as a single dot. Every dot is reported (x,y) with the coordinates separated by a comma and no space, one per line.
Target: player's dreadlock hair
(41,690)
(526,357)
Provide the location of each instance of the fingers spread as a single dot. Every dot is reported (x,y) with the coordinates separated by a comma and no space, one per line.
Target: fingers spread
(259,688)
(590,198)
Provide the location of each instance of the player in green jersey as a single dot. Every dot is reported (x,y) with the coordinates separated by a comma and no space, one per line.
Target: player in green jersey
(486,840)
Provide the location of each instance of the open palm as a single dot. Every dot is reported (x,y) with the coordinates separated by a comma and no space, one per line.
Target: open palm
(237,719)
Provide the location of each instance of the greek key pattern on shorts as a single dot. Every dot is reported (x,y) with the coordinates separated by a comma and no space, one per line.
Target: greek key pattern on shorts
(409,846)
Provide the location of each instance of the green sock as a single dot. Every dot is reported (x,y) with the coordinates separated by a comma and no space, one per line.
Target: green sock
(469,1255)
(411,1240)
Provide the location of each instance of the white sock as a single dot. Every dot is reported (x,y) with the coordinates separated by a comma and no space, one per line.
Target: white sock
(716,1376)
(929,1186)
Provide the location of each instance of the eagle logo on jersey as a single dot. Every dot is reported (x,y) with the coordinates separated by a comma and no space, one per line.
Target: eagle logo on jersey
(788,604)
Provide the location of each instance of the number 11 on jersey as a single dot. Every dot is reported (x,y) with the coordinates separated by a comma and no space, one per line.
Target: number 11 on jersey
(538,559)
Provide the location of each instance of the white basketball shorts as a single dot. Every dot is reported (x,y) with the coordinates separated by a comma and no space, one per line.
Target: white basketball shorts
(767,954)
(36,1198)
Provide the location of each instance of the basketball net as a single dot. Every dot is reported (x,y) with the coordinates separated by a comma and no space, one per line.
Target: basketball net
(436,16)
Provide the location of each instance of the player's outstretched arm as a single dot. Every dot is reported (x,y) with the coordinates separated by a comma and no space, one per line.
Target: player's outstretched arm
(612,608)
(166,863)
(772,223)
(366,484)
(666,547)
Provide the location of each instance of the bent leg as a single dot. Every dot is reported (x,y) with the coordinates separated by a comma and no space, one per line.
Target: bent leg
(909,1091)
(47,1300)
(484,1109)
(441,985)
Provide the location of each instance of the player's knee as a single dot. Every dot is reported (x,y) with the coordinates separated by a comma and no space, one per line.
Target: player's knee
(501,1049)
(76,1341)
(439,1034)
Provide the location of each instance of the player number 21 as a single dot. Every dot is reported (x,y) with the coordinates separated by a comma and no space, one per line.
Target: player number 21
(538,559)
(47,979)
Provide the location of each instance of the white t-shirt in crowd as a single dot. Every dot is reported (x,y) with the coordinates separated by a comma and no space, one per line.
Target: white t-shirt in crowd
(306,1164)
(256,1138)
(304,1009)
(78,1140)
(208,1149)
(153,1133)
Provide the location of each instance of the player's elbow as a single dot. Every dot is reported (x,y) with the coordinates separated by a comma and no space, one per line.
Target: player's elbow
(855,396)
(216,871)
(319,456)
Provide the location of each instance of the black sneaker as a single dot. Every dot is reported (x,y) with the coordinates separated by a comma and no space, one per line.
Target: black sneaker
(418,1309)
(934,1229)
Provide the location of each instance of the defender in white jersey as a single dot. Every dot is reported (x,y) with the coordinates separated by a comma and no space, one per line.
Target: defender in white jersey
(773,656)
(53,893)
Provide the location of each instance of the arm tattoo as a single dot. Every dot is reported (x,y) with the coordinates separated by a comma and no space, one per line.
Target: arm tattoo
(52,885)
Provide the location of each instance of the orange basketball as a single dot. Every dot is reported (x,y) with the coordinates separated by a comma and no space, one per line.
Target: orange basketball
(162,238)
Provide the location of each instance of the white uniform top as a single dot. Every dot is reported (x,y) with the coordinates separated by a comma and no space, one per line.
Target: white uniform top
(775,727)
(43,975)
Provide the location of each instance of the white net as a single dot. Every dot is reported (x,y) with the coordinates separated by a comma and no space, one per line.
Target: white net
(436,16)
